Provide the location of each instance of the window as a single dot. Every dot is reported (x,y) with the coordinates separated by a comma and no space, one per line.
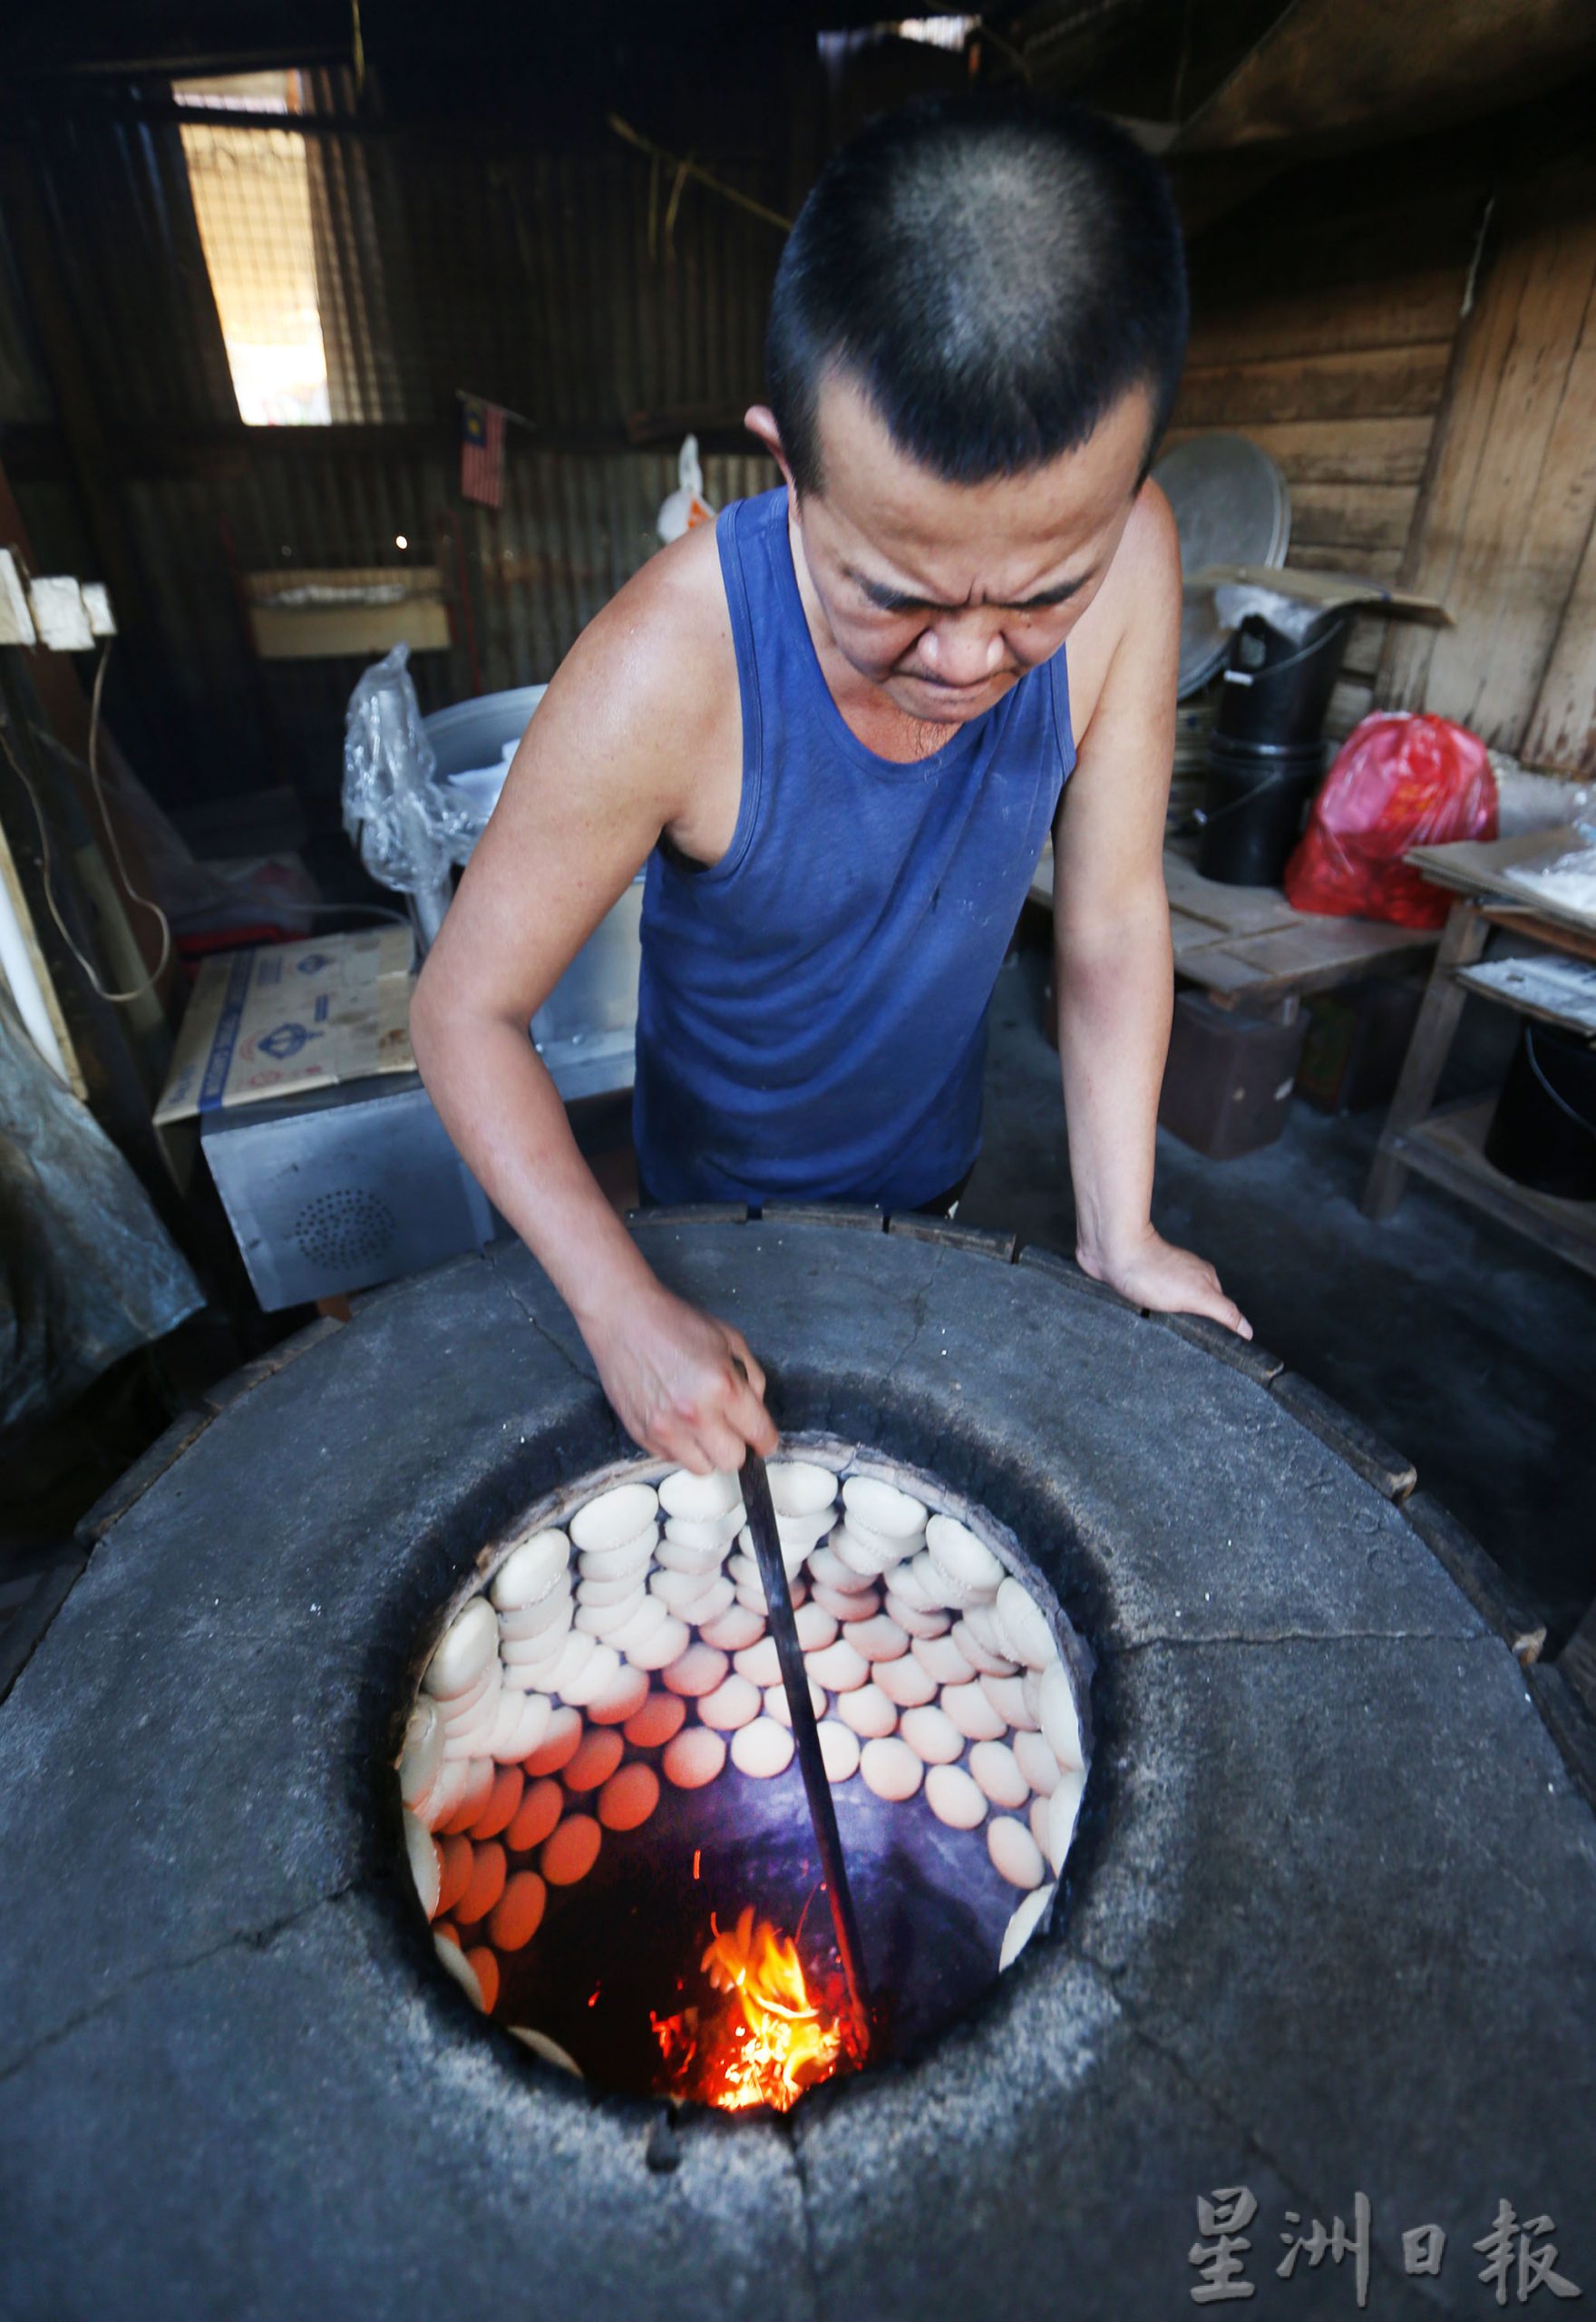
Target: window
(251,189)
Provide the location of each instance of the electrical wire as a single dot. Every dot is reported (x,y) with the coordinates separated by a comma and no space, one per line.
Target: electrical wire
(117,998)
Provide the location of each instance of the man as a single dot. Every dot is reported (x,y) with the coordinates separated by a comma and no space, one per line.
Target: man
(838,727)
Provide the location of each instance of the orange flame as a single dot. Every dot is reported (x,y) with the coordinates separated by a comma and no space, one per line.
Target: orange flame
(769,2043)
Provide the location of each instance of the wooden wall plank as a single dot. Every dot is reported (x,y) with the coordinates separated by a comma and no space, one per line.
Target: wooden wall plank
(1339,450)
(1319,318)
(1365,384)
(1352,516)
(1510,495)
(1562,733)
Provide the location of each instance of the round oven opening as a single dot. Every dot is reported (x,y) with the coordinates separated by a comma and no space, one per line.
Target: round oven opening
(605,1820)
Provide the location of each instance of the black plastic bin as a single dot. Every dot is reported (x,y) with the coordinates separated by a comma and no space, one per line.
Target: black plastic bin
(1276,690)
(1542,1133)
(1254,809)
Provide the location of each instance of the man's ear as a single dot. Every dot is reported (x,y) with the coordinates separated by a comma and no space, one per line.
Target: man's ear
(761,421)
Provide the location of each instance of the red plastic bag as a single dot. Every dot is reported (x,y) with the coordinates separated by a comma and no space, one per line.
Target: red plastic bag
(1398,781)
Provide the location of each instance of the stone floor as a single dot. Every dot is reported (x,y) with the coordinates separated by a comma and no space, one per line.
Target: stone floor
(1465,1345)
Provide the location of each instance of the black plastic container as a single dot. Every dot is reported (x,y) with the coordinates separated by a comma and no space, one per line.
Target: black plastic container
(1253,808)
(1542,1134)
(1276,690)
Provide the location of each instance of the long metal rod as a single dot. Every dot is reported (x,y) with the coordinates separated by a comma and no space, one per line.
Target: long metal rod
(823,1813)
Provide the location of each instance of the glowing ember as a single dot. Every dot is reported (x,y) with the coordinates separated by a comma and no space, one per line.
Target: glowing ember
(768,2042)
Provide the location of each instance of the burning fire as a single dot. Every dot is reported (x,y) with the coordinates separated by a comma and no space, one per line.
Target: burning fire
(768,2042)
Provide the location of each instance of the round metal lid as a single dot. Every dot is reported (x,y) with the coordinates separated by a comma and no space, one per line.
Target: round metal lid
(1232,507)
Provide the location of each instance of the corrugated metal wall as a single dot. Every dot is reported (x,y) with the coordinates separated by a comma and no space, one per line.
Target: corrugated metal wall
(543,276)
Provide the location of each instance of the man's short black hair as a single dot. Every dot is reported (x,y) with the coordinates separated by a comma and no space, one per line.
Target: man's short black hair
(994,273)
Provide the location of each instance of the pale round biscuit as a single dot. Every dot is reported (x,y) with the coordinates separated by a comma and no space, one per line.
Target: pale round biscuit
(461,1709)
(940,1658)
(501,1803)
(877,1552)
(882,1507)
(488,1869)
(628,1797)
(1030,1681)
(909,1589)
(614,1516)
(982,1657)
(596,1758)
(777,1706)
(475,1737)
(1024,1924)
(595,1678)
(906,1683)
(933,1737)
(972,1712)
(660,1717)
(1037,1817)
(697,1671)
(910,1617)
(635,1554)
(443,1799)
(624,1586)
(455,1855)
(941,1586)
(529,1570)
(1063,1810)
(733,1629)
(421,1761)
(552,1610)
(1023,1625)
(679,1590)
(620,1699)
(643,1626)
(469,1645)
(816,1628)
(709,1604)
(559,1744)
(541,1806)
(997,1769)
(474,1793)
(891,1770)
(532,1676)
(961,1556)
(954,1798)
(483,1964)
(699,1497)
(665,1645)
(1007,1697)
(840,1749)
(760,1662)
(837,1667)
(844,1607)
(572,1851)
(694,1758)
(801,1486)
(798,1535)
(575,1654)
(670,1556)
(606,1620)
(763,1749)
(878,1639)
(1034,1756)
(708,1534)
(518,1914)
(455,1964)
(829,1569)
(1016,1855)
(868,1712)
(735,1702)
(426,1861)
(542,2045)
(517,1653)
(1060,1719)
(851,1555)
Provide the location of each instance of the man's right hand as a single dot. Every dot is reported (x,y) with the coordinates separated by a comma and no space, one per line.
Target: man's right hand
(671,1374)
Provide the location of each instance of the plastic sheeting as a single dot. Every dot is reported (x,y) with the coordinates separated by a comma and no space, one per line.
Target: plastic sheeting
(87,1271)
(408,828)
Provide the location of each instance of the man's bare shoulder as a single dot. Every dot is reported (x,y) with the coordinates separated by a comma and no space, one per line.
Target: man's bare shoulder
(651,683)
(1138,607)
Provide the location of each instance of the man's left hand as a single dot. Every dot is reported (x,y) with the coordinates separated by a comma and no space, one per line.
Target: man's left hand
(1166,1280)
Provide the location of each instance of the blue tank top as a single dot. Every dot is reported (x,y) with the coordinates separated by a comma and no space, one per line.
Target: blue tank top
(812,1010)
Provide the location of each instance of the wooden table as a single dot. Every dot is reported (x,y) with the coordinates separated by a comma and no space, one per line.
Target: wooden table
(1246,947)
(1445,1144)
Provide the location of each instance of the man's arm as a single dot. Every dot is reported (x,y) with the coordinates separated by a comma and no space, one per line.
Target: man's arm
(1114,964)
(603,768)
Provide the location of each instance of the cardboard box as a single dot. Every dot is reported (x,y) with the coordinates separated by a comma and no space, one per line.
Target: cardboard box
(290,1018)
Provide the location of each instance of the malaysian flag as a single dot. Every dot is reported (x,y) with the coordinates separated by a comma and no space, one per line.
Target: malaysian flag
(482,452)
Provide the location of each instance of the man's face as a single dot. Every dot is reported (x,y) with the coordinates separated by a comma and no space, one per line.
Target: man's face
(944,594)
